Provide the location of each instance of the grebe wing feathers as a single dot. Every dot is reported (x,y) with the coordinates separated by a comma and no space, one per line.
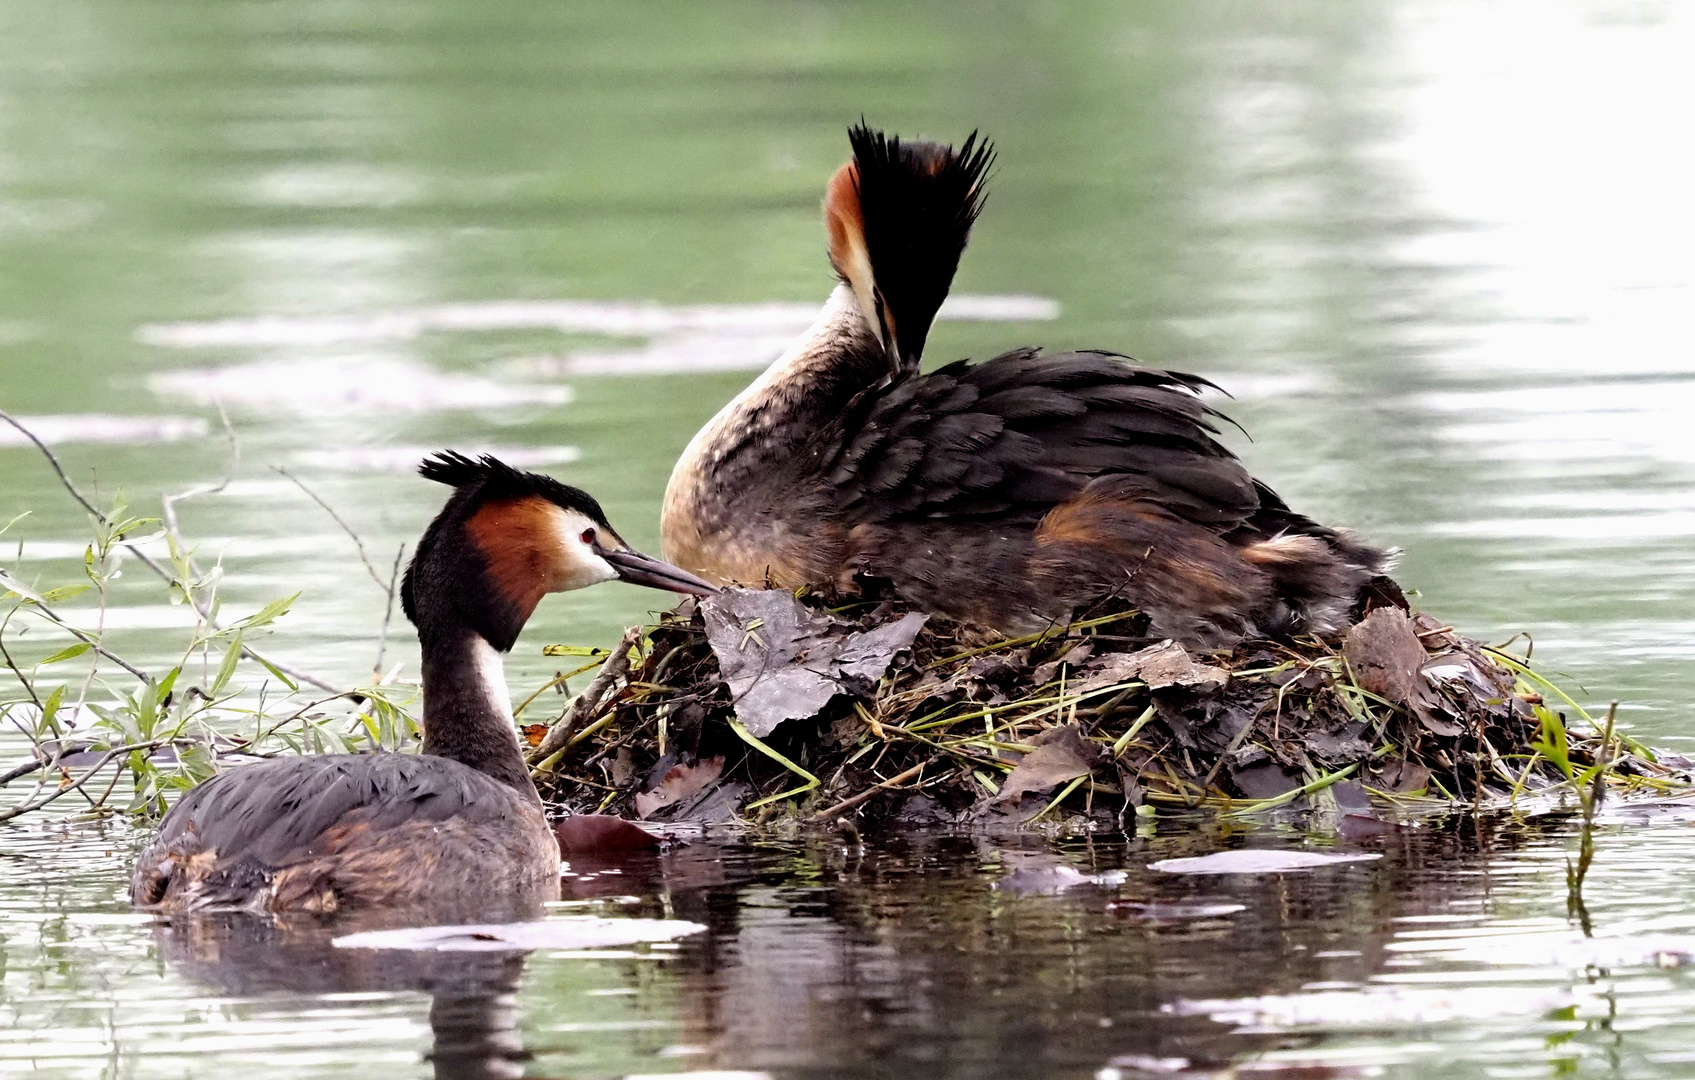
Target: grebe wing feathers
(1011,437)
(249,821)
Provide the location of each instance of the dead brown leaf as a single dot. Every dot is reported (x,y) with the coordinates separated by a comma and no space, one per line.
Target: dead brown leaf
(1059,754)
(1162,665)
(1387,659)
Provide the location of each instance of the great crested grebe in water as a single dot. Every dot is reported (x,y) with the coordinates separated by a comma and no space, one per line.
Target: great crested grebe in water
(1006,493)
(340,831)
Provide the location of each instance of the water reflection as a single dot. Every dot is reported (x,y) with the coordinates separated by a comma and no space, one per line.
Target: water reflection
(910,958)
(473,1016)
(921,956)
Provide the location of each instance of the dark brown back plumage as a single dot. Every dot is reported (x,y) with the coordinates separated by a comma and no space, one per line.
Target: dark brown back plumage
(1008,492)
(345,830)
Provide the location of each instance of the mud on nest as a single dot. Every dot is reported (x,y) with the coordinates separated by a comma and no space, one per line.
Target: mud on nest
(755,705)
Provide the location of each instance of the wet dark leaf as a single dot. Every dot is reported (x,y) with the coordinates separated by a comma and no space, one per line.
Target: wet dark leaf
(601,832)
(784,661)
(1060,754)
(1401,776)
(1264,779)
(1387,659)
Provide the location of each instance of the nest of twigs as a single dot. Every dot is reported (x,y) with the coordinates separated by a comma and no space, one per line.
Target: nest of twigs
(755,705)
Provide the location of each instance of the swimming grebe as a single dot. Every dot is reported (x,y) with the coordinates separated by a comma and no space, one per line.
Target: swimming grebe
(1006,493)
(340,831)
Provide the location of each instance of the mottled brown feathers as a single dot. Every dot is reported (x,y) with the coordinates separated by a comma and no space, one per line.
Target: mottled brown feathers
(339,831)
(1006,492)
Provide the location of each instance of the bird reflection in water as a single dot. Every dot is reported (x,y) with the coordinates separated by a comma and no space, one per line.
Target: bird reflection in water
(473,995)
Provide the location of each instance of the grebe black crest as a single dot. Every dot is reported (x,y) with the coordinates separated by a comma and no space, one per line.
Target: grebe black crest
(899,216)
(1009,492)
(462,819)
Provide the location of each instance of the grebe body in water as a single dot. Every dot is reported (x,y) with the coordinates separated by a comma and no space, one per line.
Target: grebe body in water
(1007,493)
(334,832)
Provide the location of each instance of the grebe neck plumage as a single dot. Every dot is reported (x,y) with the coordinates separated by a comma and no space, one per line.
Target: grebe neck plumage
(458,822)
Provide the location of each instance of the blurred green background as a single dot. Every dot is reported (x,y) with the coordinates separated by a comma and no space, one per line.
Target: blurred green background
(1437,252)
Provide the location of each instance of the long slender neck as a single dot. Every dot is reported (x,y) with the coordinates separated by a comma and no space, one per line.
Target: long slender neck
(467,711)
(806,386)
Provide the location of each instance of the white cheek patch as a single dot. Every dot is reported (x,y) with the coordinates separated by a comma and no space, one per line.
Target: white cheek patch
(589,569)
(582,565)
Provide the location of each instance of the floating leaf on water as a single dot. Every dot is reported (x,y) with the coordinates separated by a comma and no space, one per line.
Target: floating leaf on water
(1042,879)
(1257,861)
(570,932)
(583,833)
(1393,1006)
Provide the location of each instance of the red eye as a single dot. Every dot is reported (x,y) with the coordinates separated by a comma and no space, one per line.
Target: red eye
(588,537)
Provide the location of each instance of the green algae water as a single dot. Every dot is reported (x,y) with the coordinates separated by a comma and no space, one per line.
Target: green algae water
(1437,253)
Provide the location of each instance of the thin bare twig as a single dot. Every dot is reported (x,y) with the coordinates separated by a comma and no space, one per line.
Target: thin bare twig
(854,800)
(20,770)
(617,665)
(168,503)
(345,527)
(17,811)
(92,642)
(388,615)
(142,556)
(33,696)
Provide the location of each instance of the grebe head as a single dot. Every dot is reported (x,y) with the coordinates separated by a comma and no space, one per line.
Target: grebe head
(507,538)
(898,216)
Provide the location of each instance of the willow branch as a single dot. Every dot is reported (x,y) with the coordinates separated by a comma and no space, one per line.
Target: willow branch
(169,504)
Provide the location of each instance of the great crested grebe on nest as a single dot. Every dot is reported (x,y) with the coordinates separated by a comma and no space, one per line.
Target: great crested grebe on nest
(338,831)
(1007,493)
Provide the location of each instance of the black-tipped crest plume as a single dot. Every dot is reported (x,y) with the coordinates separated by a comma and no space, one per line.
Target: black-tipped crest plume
(918,201)
(489,477)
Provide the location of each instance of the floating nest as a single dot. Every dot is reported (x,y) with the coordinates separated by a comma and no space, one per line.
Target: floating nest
(757,705)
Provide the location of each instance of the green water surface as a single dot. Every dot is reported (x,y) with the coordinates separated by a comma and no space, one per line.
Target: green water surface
(1438,252)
